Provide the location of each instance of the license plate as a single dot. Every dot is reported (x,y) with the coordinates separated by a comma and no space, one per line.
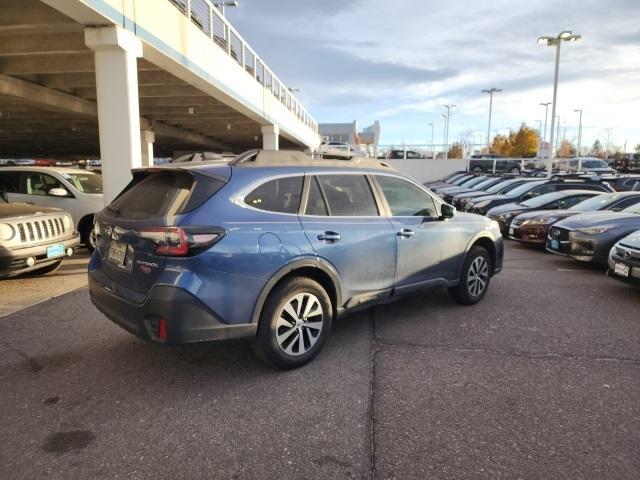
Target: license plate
(55,251)
(511,231)
(555,245)
(621,269)
(117,253)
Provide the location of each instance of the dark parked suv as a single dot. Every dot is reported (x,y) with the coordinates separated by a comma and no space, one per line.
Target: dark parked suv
(273,246)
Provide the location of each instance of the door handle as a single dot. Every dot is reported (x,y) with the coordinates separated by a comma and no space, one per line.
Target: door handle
(330,237)
(406,233)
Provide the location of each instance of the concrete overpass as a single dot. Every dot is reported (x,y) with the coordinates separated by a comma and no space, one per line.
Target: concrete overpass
(120,79)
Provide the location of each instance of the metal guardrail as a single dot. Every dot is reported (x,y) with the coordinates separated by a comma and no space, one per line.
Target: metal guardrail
(209,19)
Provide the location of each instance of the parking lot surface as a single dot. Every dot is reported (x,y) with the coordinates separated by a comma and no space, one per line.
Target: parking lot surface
(27,290)
(540,380)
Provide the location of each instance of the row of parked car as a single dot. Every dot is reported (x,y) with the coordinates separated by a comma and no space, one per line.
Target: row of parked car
(592,219)
(46,212)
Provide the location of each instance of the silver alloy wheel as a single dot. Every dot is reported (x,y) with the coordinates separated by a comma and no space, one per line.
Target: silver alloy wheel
(299,324)
(478,276)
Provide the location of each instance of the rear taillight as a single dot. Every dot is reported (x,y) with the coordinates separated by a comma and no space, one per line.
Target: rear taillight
(180,242)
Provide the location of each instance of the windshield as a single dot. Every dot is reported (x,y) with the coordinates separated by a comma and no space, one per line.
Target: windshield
(499,186)
(475,181)
(462,179)
(524,188)
(85,182)
(594,164)
(484,183)
(543,199)
(599,202)
(633,209)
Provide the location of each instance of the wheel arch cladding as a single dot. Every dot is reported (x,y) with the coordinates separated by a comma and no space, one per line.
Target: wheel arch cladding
(314,270)
(489,246)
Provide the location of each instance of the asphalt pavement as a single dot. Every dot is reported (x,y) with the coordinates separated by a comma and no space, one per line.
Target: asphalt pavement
(18,293)
(540,380)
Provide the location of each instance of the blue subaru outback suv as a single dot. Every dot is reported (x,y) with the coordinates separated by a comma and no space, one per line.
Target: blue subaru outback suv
(273,246)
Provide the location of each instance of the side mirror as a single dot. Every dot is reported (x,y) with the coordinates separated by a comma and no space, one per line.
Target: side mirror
(447,211)
(58,192)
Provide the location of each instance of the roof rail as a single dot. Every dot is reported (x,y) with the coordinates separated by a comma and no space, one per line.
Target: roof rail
(267,158)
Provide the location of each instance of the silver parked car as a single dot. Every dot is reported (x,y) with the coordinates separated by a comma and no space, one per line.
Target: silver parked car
(76,191)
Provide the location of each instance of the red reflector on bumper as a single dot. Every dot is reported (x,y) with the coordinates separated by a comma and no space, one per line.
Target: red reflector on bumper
(162,330)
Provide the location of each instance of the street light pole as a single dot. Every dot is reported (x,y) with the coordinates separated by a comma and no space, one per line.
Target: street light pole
(446,132)
(222,5)
(566,36)
(546,117)
(491,91)
(579,111)
(444,135)
(557,134)
(433,148)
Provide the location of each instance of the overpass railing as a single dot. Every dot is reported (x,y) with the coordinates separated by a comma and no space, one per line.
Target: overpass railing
(209,19)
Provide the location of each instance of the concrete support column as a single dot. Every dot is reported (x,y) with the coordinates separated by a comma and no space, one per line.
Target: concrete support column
(271,137)
(147,138)
(116,52)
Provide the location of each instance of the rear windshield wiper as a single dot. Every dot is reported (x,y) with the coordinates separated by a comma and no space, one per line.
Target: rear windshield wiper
(114,210)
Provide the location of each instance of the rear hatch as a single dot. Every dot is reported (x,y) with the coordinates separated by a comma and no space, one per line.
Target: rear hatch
(140,230)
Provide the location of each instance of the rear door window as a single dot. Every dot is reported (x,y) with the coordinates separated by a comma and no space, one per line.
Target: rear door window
(316,204)
(281,195)
(348,195)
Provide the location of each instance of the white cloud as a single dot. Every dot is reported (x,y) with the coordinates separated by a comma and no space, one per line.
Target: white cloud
(399,61)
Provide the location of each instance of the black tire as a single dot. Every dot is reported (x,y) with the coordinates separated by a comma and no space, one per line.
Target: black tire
(44,270)
(87,237)
(467,292)
(293,337)
(477,169)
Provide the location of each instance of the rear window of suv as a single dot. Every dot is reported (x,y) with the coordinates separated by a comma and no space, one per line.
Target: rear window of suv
(164,194)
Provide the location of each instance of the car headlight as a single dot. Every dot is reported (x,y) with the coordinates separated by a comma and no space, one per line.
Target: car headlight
(540,221)
(66,221)
(597,230)
(6,232)
(508,215)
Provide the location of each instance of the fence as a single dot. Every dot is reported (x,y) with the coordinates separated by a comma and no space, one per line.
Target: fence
(209,19)
(409,151)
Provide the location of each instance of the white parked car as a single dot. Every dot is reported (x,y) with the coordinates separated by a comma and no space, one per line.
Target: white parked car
(78,192)
(585,164)
(332,149)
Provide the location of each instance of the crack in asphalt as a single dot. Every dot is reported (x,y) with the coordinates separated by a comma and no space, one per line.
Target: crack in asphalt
(375,348)
(514,354)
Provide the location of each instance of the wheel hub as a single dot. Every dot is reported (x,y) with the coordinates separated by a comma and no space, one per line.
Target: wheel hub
(299,324)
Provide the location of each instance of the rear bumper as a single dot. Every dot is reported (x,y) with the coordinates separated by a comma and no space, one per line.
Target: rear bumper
(188,320)
(13,261)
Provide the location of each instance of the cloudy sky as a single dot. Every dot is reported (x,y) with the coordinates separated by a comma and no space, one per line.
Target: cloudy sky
(398,61)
